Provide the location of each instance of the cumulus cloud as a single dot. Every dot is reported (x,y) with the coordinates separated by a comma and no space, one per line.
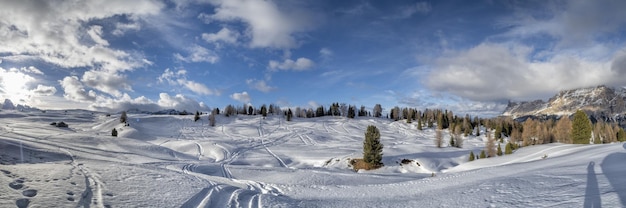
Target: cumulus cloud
(241,97)
(43,90)
(224,35)
(259,85)
(75,91)
(198,54)
(106,81)
(180,102)
(299,64)
(180,78)
(54,32)
(492,71)
(268,26)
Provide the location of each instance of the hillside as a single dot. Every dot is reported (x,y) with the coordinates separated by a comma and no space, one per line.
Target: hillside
(600,100)
(248,161)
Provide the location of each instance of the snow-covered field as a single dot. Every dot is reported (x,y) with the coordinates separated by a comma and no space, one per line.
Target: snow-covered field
(247,161)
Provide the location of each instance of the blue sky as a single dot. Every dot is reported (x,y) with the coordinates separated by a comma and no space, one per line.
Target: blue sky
(466,56)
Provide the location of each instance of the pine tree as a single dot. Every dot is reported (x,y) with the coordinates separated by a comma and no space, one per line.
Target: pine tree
(482,154)
(123,117)
(372,148)
(499,152)
(114,132)
(508,149)
(264,110)
(452,140)
(196,117)
(351,111)
(581,128)
(289,114)
(471,156)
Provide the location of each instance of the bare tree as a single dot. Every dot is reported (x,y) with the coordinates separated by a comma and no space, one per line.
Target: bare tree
(377,111)
(490,146)
(438,138)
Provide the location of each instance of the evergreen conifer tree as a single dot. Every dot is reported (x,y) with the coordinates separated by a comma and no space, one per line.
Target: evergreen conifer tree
(508,149)
(289,114)
(581,128)
(372,148)
(482,154)
(196,117)
(471,156)
(123,117)
(499,152)
(264,110)
(452,140)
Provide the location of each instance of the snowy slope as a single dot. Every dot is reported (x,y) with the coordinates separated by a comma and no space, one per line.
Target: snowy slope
(247,161)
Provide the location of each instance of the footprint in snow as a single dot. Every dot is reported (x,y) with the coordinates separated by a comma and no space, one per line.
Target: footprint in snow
(17,184)
(22,203)
(29,193)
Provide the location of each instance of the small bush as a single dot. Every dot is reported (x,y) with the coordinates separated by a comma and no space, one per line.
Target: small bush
(114,132)
(406,161)
(360,164)
(62,124)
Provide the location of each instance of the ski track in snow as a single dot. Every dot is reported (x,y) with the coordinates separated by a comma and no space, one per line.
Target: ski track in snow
(222,195)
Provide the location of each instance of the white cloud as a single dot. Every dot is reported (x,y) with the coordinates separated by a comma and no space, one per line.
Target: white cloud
(14,83)
(259,85)
(54,32)
(122,28)
(300,64)
(106,81)
(95,32)
(491,72)
(241,97)
(198,54)
(180,102)
(326,53)
(224,35)
(43,90)
(31,70)
(180,78)
(268,26)
(575,23)
(75,91)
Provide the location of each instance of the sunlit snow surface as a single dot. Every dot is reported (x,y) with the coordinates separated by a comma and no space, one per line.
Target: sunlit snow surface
(247,161)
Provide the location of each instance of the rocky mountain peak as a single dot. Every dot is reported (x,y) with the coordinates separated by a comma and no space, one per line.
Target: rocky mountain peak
(594,100)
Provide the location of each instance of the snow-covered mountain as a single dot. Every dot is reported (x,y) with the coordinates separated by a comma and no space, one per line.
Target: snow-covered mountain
(600,100)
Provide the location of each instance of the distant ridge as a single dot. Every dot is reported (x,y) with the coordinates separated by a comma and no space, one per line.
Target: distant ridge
(601,102)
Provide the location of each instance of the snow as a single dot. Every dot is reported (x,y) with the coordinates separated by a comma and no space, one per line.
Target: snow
(248,161)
